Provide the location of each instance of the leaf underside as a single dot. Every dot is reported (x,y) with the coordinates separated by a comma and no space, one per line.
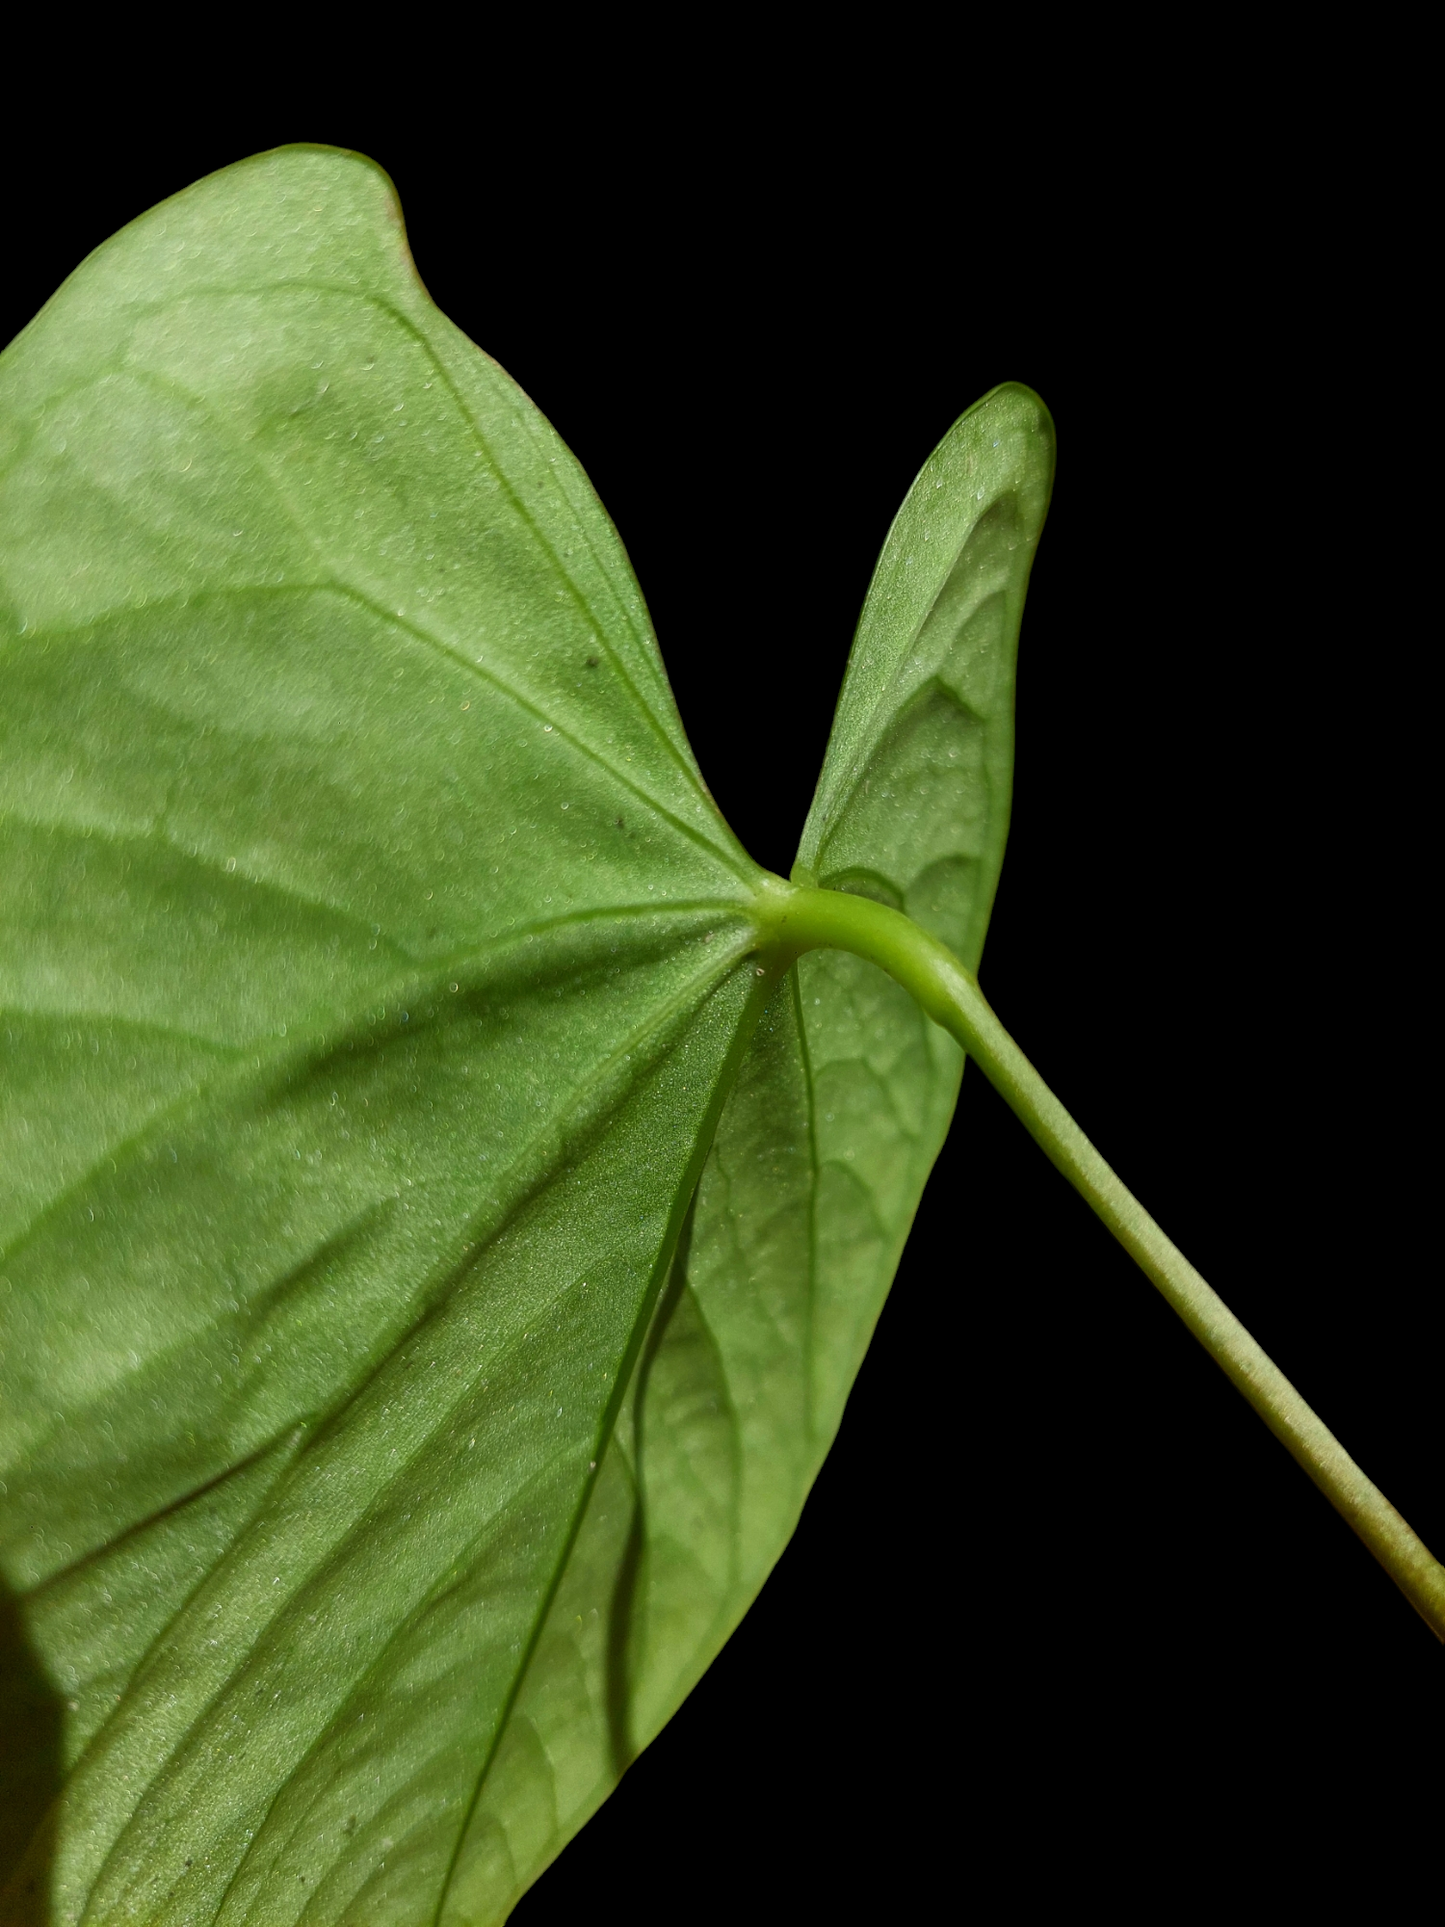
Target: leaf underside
(433,1262)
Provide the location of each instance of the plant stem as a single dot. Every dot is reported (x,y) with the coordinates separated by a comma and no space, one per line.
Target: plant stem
(795,919)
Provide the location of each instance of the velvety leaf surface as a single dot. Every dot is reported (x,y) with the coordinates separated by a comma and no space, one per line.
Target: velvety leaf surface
(820,1159)
(394,1426)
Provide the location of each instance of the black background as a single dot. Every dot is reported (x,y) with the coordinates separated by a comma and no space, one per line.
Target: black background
(1061,1621)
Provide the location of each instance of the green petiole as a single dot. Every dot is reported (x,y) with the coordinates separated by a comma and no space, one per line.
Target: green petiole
(793,919)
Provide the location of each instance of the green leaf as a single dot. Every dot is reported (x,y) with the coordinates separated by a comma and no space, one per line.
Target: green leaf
(379,1469)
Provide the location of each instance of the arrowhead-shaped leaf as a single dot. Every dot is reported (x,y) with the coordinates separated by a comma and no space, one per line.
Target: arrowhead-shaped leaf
(394,1427)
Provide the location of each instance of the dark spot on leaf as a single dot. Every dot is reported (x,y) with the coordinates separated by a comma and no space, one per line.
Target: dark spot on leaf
(30,1759)
(592,662)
